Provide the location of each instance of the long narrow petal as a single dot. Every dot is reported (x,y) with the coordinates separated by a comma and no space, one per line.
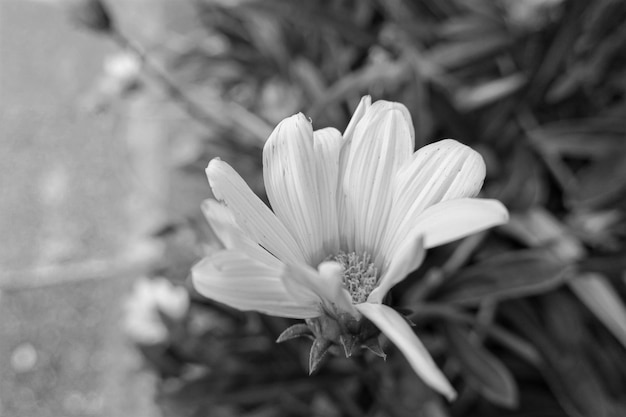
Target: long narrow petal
(225,226)
(346,222)
(291,182)
(232,278)
(400,333)
(454,219)
(383,141)
(359,112)
(407,259)
(252,216)
(441,171)
(327,146)
(326,282)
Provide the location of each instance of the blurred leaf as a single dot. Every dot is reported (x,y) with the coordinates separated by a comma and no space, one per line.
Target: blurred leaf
(602,17)
(552,60)
(426,312)
(358,82)
(454,55)
(585,138)
(593,68)
(598,229)
(483,370)
(525,187)
(472,98)
(539,228)
(309,77)
(601,182)
(268,38)
(464,27)
(597,293)
(565,320)
(611,265)
(510,275)
(570,376)
(308,15)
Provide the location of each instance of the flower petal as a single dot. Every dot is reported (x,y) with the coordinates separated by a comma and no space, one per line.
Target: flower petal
(407,259)
(327,146)
(326,282)
(291,182)
(252,216)
(359,112)
(454,219)
(225,226)
(441,171)
(396,328)
(383,141)
(232,278)
(344,216)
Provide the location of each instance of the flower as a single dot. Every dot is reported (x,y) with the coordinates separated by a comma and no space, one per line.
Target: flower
(153,299)
(353,215)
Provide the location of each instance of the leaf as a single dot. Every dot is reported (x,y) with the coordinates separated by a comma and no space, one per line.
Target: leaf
(602,182)
(359,81)
(484,371)
(453,55)
(560,47)
(584,138)
(572,379)
(525,185)
(472,98)
(510,275)
(464,27)
(539,228)
(597,293)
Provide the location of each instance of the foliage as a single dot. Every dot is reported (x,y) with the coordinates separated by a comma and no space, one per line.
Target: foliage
(526,319)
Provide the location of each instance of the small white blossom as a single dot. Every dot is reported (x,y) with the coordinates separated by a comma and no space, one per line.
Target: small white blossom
(150,299)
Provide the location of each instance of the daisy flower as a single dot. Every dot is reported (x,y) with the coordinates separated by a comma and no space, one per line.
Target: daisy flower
(352,216)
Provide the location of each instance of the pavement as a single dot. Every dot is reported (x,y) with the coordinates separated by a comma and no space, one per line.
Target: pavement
(68,223)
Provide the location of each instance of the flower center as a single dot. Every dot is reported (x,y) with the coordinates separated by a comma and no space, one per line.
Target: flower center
(359,274)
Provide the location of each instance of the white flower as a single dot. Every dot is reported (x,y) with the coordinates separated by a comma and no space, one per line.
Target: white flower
(150,299)
(353,215)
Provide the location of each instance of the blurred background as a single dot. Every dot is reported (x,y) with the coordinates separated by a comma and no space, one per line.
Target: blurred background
(111,109)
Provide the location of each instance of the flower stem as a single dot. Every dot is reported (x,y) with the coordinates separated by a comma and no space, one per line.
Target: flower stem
(175,92)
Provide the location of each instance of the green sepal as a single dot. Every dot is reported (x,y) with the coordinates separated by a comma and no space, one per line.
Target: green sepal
(295,331)
(318,350)
(348,342)
(373,345)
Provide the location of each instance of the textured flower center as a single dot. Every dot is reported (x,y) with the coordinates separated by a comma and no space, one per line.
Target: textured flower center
(359,274)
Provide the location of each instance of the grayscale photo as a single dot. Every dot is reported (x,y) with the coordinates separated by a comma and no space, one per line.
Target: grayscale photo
(312,208)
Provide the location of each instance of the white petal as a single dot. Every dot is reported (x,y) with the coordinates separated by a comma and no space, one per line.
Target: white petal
(359,112)
(454,219)
(400,333)
(383,141)
(232,278)
(327,146)
(441,171)
(252,216)
(291,182)
(406,260)
(224,225)
(326,283)
(346,222)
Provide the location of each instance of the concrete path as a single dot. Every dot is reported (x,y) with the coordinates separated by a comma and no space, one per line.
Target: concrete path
(65,184)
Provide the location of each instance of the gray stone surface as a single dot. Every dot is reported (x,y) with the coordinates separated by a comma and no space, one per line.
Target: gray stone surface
(65,182)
